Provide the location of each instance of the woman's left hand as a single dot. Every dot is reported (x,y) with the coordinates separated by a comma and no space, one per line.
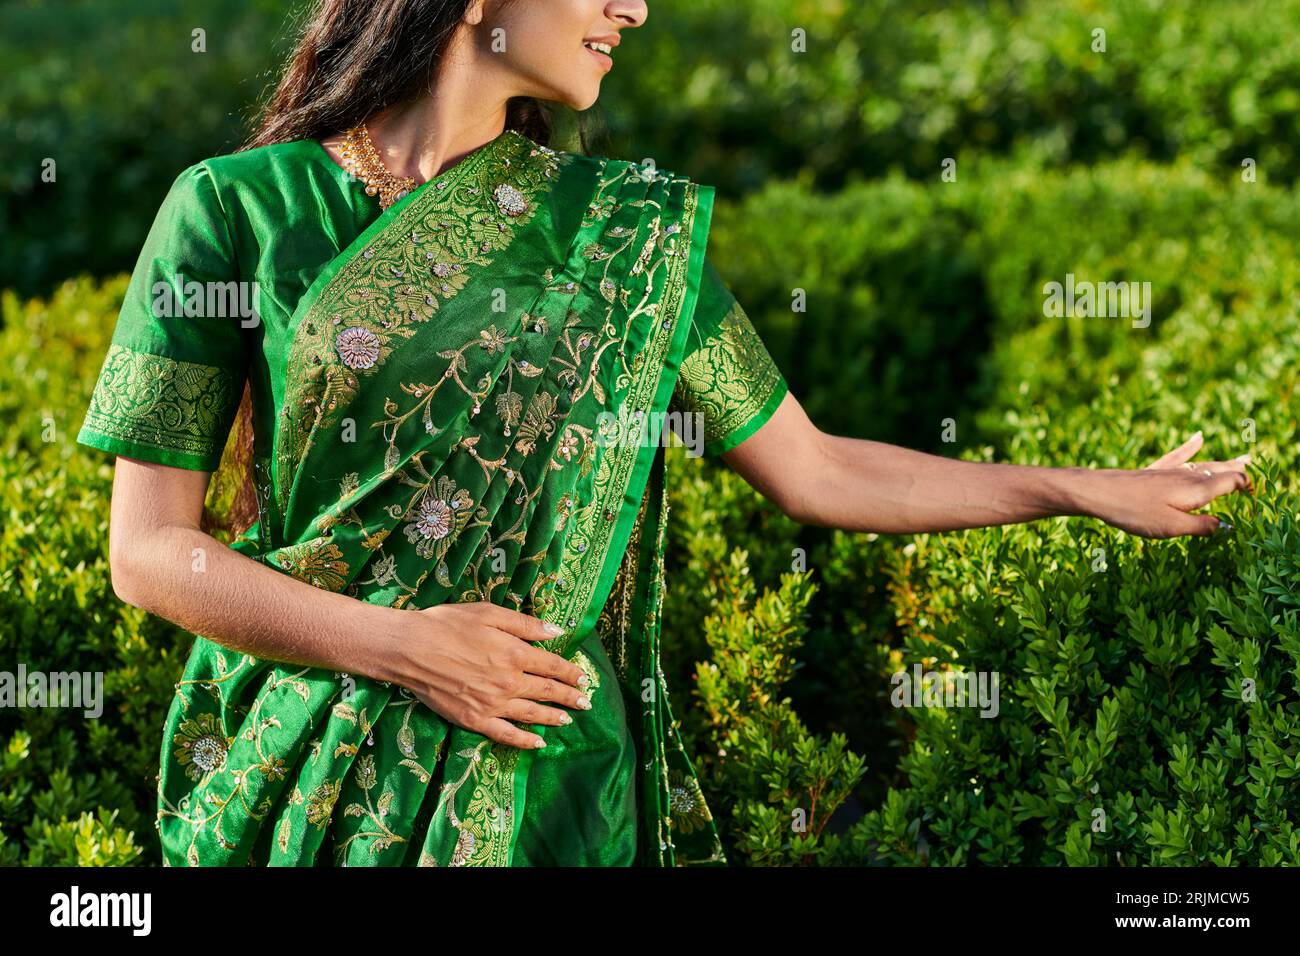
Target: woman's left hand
(1155,501)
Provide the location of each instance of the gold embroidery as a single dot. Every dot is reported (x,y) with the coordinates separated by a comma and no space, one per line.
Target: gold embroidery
(596,526)
(371,303)
(589,668)
(687,809)
(588,545)
(319,562)
(729,378)
(162,402)
(485,831)
(616,615)
(594,358)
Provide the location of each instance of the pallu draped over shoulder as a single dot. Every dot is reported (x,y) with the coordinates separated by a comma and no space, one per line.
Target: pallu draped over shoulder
(459,398)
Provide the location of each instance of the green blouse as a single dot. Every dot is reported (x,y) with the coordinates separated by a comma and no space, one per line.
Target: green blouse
(169,389)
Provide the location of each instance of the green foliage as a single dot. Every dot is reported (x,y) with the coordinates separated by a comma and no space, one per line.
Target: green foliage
(904,84)
(780,784)
(74,790)
(121,114)
(1122,684)
(896,316)
(885,85)
(1148,706)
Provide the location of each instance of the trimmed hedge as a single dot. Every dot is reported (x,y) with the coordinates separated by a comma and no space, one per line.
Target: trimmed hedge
(73,791)
(1152,697)
(1121,689)
(903,84)
(893,85)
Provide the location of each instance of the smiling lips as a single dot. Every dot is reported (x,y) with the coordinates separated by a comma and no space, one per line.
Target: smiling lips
(601,51)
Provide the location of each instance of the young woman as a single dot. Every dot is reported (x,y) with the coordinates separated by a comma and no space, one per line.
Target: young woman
(438,642)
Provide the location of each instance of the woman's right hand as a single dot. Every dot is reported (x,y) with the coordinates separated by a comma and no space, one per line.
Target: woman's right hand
(473,664)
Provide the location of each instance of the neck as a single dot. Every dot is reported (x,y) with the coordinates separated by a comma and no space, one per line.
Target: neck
(424,137)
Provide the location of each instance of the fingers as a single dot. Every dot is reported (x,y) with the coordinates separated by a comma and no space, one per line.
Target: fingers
(1213,467)
(531,712)
(487,675)
(524,626)
(504,732)
(534,660)
(1200,525)
(1236,466)
(544,688)
(1219,483)
(524,707)
(1210,480)
(1182,453)
(524,711)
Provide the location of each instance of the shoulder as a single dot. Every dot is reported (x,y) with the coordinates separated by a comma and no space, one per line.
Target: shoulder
(225,188)
(251,165)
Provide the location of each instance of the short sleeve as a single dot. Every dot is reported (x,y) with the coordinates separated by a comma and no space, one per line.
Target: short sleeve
(173,376)
(727,375)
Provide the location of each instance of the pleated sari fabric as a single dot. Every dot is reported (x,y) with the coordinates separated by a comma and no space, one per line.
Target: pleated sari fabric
(459,398)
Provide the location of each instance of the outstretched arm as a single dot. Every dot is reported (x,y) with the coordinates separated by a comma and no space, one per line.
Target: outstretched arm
(861,485)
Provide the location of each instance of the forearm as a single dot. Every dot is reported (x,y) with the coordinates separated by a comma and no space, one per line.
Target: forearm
(195,581)
(861,485)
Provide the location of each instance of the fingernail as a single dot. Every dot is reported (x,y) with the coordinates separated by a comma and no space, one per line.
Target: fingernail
(1244,459)
(565,718)
(539,744)
(1195,435)
(553,629)
(1224,526)
(584,681)
(584,703)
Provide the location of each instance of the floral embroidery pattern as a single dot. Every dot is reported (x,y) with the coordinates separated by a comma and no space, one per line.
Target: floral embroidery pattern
(510,200)
(200,746)
(357,347)
(595,527)
(320,805)
(519,506)
(588,668)
(686,802)
(441,514)
(386,296)
(320,563)
(483,834)
(729,378)
(162,403)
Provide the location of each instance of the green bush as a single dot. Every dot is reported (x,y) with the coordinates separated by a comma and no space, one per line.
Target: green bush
(1124,701)
(1157,694)
(890,85)
(904,84)
(1124,687)
(120,114)
(73,790)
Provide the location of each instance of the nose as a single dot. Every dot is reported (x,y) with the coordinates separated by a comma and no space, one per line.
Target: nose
(632,13)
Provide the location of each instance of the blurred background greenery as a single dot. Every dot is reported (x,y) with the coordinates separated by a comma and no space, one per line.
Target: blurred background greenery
(925,304)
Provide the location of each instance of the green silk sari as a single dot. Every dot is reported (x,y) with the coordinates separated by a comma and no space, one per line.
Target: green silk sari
(446,397)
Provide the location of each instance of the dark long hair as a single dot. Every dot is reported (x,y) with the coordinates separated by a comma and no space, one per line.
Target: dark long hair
(352,59)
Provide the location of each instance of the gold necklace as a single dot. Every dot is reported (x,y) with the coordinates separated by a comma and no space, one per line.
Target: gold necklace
(361,159)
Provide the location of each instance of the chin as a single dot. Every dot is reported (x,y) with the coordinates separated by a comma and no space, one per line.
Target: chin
(581,101)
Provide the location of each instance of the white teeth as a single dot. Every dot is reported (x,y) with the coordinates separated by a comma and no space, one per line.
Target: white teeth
(602,47)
